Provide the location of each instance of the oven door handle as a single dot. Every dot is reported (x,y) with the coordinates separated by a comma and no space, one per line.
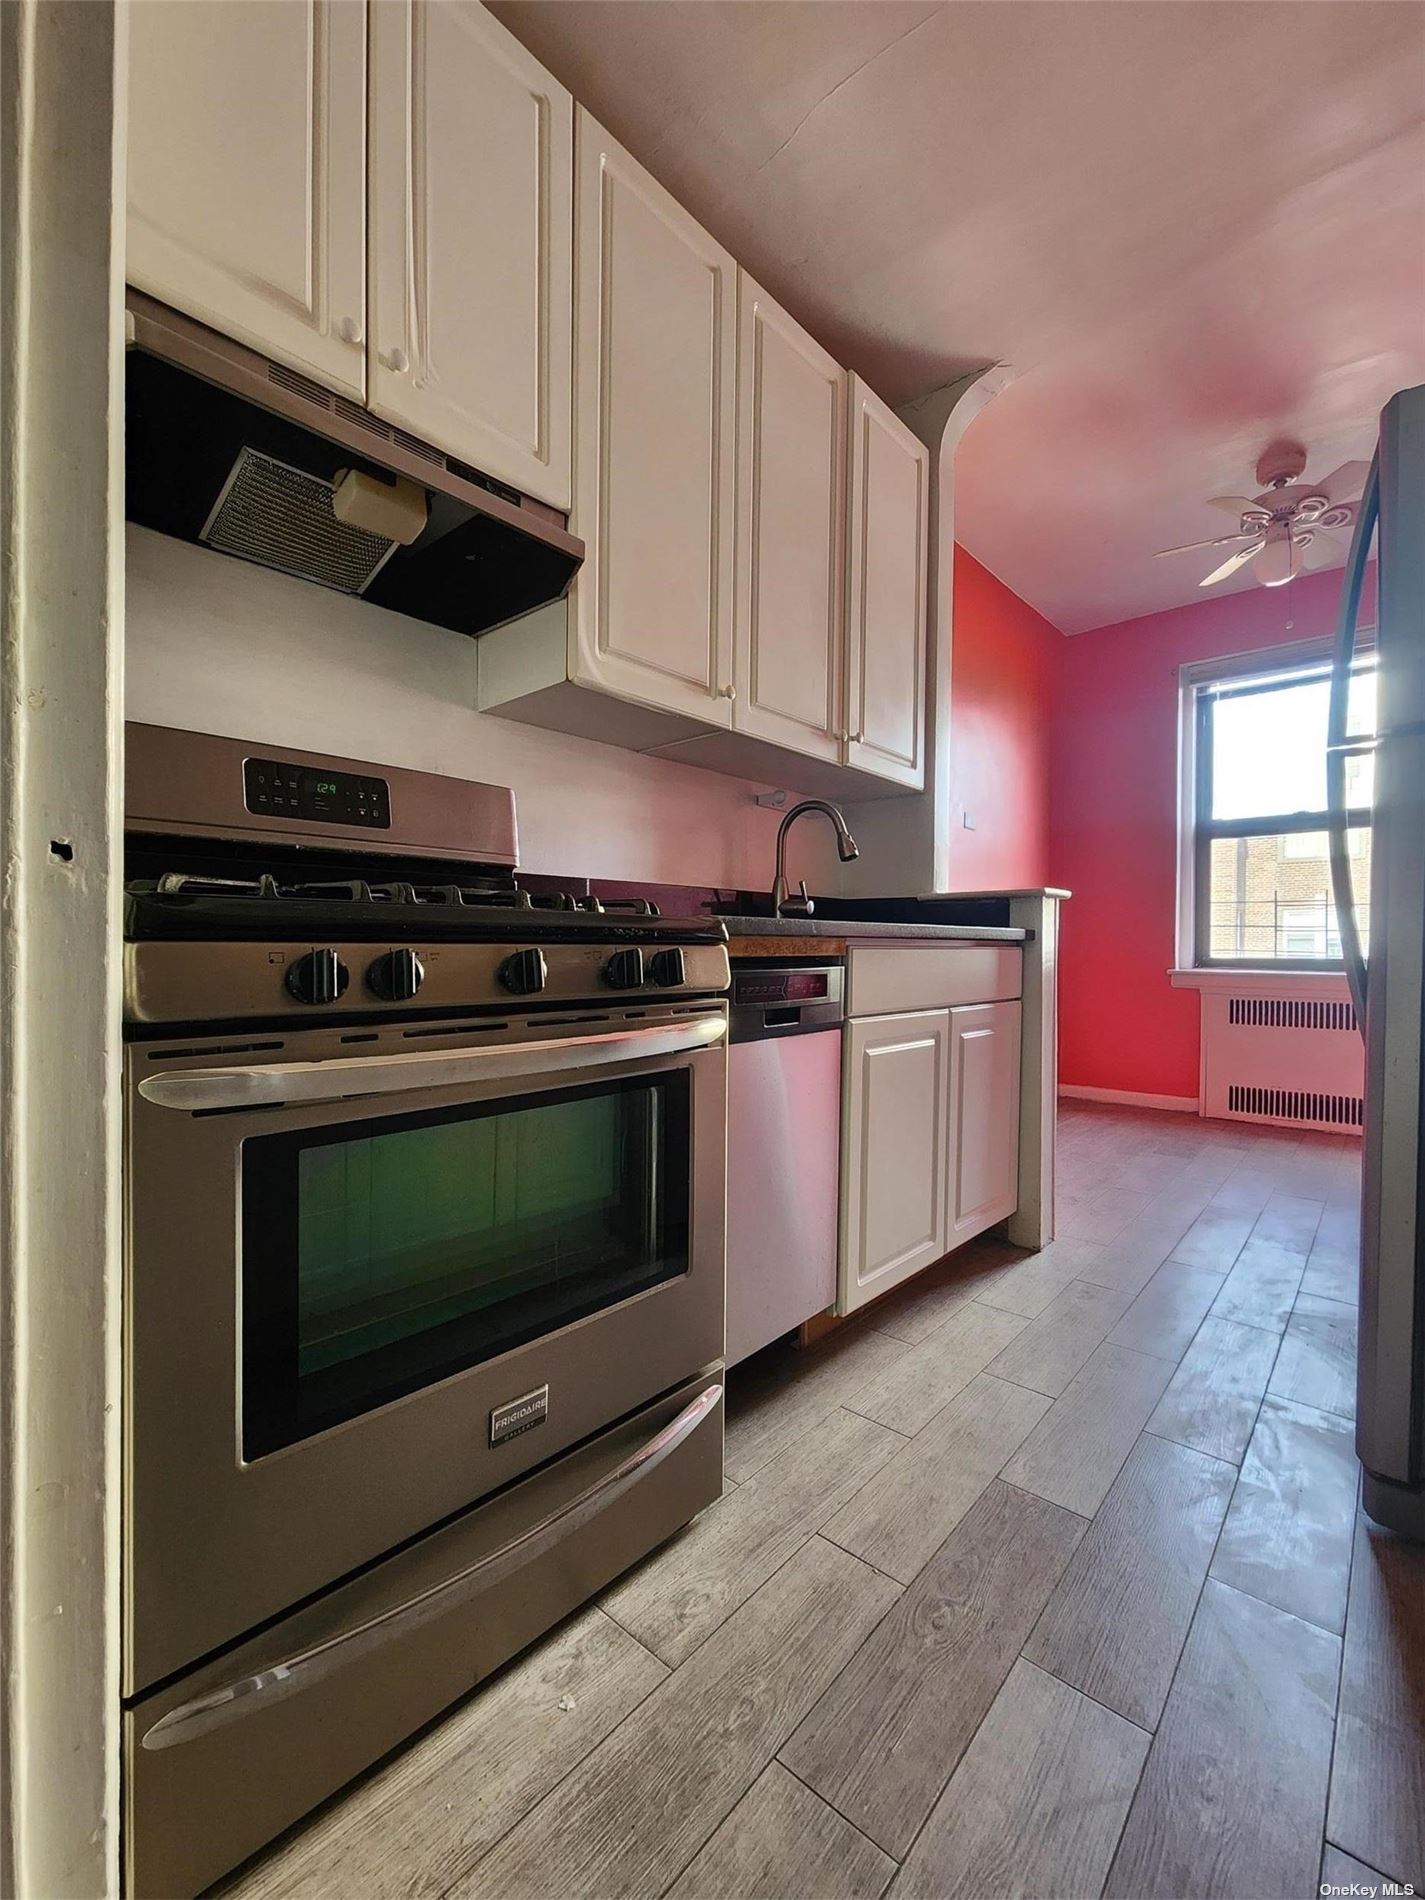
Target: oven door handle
(251,1694)
(266,1084)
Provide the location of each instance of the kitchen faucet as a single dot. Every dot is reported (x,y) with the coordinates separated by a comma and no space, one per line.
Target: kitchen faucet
(783,903)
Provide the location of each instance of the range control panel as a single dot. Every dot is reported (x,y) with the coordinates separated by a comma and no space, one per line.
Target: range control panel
(326,797)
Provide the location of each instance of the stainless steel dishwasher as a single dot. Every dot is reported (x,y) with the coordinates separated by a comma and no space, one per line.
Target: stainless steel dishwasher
(783,1147)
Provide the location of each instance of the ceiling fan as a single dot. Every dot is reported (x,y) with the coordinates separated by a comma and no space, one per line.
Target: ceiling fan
(1289,526)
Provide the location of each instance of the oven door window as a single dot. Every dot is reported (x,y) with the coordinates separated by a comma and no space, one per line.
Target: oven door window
(382,1256)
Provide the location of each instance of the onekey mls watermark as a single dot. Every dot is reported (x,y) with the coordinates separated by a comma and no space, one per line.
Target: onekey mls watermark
(1363,1889)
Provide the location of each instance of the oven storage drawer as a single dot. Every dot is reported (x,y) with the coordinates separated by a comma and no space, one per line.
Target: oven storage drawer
(202,1793)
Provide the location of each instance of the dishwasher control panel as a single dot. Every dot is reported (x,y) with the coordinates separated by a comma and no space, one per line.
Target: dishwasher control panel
(772,999)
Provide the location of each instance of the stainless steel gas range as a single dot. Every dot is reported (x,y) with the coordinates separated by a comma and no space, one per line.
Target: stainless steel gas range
(425,1226)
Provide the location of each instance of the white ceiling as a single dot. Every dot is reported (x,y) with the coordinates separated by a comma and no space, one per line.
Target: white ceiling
(1191,225)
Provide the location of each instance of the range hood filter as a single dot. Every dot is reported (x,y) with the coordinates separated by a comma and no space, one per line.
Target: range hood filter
(281,517)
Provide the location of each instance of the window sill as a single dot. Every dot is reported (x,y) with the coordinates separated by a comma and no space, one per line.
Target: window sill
(1328,984)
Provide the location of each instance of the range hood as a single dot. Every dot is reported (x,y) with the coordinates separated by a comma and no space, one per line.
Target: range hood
(233,452)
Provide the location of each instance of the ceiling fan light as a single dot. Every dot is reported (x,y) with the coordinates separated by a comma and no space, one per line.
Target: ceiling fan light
(1278,561)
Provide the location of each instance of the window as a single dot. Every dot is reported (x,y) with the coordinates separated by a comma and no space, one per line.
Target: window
(1261,875)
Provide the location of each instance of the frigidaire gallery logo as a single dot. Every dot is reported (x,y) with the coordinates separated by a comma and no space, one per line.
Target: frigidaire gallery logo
(519,1415)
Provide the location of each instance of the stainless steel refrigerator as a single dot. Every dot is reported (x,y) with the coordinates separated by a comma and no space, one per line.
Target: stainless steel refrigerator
(1388,985)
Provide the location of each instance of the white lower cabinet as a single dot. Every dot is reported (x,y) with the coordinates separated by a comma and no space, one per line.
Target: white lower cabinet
(896,1091)
(930,1139)
(983,1151)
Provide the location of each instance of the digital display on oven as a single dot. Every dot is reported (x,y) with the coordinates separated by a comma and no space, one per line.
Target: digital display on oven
(783,986)
(334,798)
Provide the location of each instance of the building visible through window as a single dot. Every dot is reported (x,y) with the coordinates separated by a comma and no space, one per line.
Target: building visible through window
(1260,858)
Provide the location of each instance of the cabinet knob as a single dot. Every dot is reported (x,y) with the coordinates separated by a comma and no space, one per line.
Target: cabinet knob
(841,735)
(397,360)
(727,692)
(350,330)
(858,738)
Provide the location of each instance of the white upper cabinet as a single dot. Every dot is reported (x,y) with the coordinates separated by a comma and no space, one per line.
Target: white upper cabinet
(246,174)
(655,305)
(983,1148)
(791,531)
(886,610)
(471,192)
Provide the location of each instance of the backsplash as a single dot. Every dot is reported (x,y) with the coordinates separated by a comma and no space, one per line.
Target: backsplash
(217,645)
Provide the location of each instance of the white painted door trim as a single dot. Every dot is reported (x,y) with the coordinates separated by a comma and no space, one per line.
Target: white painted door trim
(61,551)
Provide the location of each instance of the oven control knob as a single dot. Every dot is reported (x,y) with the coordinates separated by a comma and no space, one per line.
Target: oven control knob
(396,977)
(667,969)
(525,972)
(320,977)
(624,970)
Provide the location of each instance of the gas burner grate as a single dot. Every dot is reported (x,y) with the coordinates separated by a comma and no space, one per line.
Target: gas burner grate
(395,892)
(595,906)
(184,884)
(339,891)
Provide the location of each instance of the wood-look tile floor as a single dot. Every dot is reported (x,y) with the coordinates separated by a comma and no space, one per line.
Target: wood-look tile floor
(1047,1576)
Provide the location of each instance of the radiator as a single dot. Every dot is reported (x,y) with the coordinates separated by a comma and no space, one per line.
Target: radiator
(1292,1060)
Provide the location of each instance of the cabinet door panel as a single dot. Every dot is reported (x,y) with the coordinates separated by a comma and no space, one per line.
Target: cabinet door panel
(893,1152)
(472,185)
(890,478)
(791,510)
(983,1151)
(247,174)
(655,311)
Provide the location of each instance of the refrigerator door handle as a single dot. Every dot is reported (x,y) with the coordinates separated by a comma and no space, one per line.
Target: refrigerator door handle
(1339,747)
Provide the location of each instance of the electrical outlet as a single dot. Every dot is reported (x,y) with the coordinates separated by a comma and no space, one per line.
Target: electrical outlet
(968,821)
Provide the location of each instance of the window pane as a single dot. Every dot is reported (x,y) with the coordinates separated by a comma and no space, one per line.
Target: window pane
(1361,701)
(1269,897)
(1269,747)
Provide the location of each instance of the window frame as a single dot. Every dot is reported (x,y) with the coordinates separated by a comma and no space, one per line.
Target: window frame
(1258,671)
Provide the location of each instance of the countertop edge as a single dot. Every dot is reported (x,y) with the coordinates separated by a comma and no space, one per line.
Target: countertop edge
(836,937)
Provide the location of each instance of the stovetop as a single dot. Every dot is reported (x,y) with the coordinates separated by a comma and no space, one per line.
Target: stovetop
(473,908)
(243,944)
(267,884)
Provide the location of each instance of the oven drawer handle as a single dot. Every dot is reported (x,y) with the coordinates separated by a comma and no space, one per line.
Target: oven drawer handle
(251,1694)
(267,1083)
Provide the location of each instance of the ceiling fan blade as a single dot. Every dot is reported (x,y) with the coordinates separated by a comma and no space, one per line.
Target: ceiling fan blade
(1280,557)
(1217,541)
(1232,563)
(1346,482)
(1234,504)
(1318,549)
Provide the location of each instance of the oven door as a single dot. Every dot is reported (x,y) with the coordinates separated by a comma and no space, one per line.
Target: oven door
(375,1277)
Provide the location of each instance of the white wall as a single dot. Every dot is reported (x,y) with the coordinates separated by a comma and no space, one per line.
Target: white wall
(217,645)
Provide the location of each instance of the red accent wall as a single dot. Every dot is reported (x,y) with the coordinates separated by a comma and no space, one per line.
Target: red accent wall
(1113,827)
(1003,664)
